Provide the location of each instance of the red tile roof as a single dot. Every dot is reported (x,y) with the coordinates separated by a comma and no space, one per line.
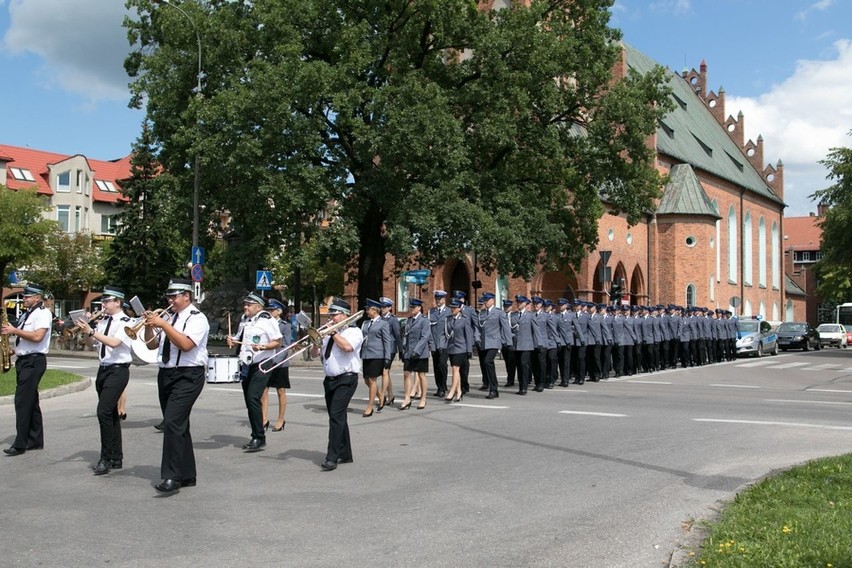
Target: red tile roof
(802,233)
(37,162)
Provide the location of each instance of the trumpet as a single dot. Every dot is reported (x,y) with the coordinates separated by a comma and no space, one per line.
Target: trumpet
(133,331)
(313,338)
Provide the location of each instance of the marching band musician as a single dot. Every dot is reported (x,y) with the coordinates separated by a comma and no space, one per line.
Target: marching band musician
(182,356)
(31,346)
(279,378)
(417,343)
(341,362)
(113,374)
(259,339)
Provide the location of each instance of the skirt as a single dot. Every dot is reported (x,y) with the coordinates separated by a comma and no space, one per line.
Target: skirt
(458,359)
(373,368)
(416,365)
(280,378)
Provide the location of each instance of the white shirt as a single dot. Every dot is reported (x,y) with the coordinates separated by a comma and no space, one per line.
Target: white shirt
(340,361)
(192,323)
(39,318)
(120,354)
(258,331)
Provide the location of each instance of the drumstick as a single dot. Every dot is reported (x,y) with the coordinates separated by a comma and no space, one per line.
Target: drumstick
(229,324)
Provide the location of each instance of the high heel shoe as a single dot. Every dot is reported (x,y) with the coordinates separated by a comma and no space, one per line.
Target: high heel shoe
(405,406)
(389,400)
(365,415)
(266,426)
(448,400)
(418,407)
(380,406)
(277,429)
(459,399)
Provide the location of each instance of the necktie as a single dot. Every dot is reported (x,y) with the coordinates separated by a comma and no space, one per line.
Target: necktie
(167,345)
(21,325)
(328,347)
(106,332)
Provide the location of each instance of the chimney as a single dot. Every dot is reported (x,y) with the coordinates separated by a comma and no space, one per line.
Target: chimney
(703,73)
(822,209)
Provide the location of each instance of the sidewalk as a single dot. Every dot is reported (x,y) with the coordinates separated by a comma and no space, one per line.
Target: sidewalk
(214,350)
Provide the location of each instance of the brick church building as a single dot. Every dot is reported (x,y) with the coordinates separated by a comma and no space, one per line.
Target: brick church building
(714,239)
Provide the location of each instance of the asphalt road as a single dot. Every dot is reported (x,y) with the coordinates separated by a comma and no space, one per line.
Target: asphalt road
(594,475)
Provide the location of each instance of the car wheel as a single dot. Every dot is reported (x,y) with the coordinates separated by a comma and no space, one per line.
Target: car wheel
(806,346)
(759,350)
(775,349)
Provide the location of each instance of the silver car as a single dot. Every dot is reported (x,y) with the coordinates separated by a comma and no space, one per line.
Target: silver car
(832,334)
(756,337)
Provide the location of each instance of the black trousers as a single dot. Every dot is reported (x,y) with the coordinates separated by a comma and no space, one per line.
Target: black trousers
(464,373)
(618,359)
(439,363)
(489,371)
(552,359)
(179,388)
(564,356)
(593,355)
(539,365)
(28,421)
(508,354)
(663,359)
(606,360)
(109,384)
(253,387)
(523,362)
(580,367)
(338,393)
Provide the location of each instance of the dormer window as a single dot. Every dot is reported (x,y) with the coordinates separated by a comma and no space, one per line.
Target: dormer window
(63,182)
(22,174)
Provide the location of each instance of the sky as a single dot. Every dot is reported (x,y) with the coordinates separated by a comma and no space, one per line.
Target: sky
(787,65)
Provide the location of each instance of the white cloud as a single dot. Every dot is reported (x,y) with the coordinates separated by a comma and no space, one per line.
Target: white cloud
(672,6)
(82,44)
(800,119)
(815,7)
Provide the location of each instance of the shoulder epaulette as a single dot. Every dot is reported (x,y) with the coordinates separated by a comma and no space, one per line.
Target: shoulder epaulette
(193,312)
(125,318)
(264,315)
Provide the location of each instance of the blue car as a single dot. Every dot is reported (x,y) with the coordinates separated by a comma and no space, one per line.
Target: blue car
(755,338)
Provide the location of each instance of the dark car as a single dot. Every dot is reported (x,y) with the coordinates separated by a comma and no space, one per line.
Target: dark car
(797,335)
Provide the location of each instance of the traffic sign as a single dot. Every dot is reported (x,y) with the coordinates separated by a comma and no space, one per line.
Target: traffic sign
(420,273)
(412,279)
(197,256)
(197,273)
(264,280)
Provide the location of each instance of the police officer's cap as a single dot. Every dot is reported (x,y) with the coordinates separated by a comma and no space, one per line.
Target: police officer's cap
(33,289)
(440,294)
(507,303)
(487,296)
(455,303)
(113,292)
(178,286)
(370,303)
(459,294)
(522,299)
(386,302)
(415,302)
(339,306)
(274,304)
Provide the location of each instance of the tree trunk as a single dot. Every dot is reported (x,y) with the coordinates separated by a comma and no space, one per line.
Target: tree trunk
(371,258)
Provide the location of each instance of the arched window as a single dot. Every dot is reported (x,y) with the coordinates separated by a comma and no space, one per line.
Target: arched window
(690,295)
(761,252)
(732,245)
(747,308)
(748,267)
(791,316)
(762,309)
(776,257)
(776,313)
(718,246)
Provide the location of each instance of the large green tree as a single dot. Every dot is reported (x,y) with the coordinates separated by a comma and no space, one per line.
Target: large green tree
(146,249)
(835,269)
(428,127)
(24,230)
(72,264)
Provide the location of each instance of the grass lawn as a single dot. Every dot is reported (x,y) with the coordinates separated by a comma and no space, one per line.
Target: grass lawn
(800,518)
(51,379)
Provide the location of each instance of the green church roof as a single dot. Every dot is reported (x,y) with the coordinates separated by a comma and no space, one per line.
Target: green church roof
(683,195)
(692,135)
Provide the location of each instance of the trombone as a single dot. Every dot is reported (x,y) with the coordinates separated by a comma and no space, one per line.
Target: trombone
(313,338)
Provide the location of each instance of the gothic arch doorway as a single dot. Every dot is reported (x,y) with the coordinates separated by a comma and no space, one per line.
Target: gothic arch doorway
(559,284)
(637,287)
(459,279)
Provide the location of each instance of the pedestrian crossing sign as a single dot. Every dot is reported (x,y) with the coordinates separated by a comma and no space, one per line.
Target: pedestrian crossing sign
(264,280)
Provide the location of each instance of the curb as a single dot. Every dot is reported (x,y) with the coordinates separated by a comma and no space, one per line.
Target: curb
(80,385)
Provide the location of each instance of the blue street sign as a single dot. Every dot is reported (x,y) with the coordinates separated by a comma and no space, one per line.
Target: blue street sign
(420,273)
(264,280)
(197,256)
(197,273)
(413,279)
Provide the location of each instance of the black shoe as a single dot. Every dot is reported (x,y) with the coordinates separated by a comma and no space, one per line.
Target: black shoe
(483,388)
(168,486)
(122,416)
(441,393)
(465,391)
(266,426)
(507,385)
(492,395)
(563,384)
(521,392)
(13,451)
(548,386)
(274,429)
(159,426)
(538,388)
(102,467)
(345,460)
(255,445)
(329,465)
(115,464)
(188,482)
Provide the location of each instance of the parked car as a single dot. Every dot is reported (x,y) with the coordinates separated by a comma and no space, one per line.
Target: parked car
(756,337)
(848,335)
(797,335)
(833,335)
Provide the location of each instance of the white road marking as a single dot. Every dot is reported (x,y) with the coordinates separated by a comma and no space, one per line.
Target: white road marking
(648,382)
(773,423)
(479,406)
(827,366)
(809,401)
(788,365)
(735,386)
(755,363)
(605,414)
(828,390)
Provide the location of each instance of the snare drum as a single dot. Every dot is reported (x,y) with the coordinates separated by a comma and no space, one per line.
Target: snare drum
(223,370)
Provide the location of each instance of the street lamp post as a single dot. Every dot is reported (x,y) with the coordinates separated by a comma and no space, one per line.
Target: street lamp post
(196,182)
